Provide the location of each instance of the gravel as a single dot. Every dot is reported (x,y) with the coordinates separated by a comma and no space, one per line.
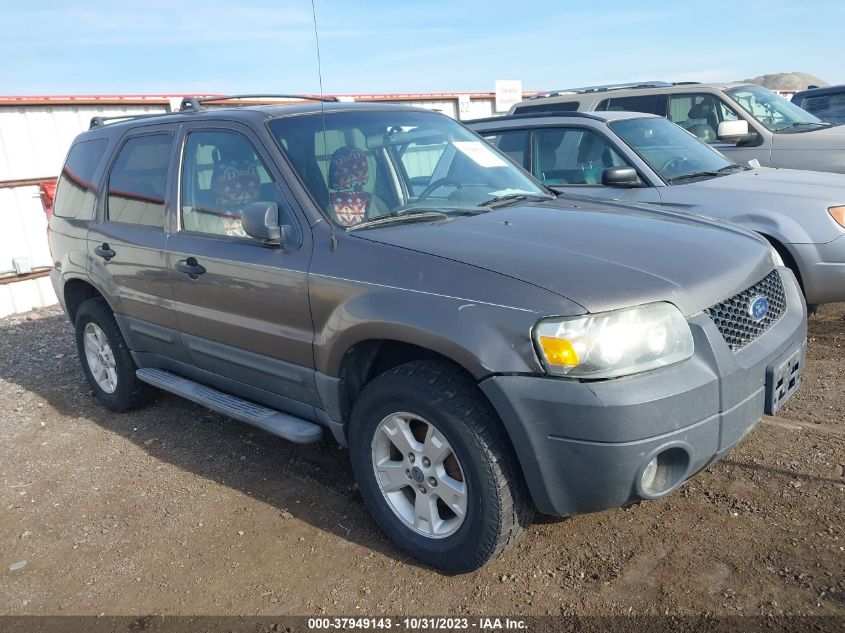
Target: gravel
(174,509)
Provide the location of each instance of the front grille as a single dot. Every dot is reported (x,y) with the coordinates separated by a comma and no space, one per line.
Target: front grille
(734,320)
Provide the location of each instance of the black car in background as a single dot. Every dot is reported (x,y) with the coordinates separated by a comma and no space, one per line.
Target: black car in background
(828,103)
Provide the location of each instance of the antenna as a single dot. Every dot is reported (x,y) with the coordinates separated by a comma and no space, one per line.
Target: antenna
(322,105)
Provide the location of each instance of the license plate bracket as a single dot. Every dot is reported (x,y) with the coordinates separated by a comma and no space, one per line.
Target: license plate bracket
(783,377)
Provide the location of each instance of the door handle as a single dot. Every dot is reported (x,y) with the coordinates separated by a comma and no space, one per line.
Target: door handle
(190,267)
(105,251)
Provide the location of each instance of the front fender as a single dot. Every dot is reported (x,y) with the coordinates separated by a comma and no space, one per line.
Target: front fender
(481,337)
(479,319)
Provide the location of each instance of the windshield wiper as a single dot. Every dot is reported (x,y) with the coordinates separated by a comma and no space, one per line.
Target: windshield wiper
(500,201)
(798,124)
(696,174)
(411,214)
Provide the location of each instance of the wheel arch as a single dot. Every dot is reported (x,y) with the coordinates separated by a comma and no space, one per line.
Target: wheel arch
(364,360)
(788,259)
(77,291)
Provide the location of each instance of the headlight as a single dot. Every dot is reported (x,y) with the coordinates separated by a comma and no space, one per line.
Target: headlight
(617,343)
(777,260)
(838,214)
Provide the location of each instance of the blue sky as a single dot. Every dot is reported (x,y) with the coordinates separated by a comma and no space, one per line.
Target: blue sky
(178,46)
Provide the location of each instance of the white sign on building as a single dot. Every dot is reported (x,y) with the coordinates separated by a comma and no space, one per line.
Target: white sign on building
(508,93)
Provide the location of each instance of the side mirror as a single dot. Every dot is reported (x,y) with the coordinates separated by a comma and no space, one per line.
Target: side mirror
(260,220)
(733,131)
(620,177)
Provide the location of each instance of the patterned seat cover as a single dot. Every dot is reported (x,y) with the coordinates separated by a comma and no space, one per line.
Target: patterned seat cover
(235,183)
(348,173)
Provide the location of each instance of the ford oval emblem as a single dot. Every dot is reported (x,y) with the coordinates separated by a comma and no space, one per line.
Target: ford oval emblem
(758,308)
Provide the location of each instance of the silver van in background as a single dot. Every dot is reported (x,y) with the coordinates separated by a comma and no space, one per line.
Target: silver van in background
(743,121)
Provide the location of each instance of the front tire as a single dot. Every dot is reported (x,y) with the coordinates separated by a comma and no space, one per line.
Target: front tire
(106,360)
(434,467)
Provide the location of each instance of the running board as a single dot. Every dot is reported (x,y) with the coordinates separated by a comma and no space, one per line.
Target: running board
(286,426)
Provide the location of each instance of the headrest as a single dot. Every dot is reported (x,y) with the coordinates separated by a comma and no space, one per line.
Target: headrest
(348,170)
(698,111)
(236,183)
(590,148)
(551,139)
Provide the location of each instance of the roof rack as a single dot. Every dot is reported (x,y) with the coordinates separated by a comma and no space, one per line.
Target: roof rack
(193,104)
(637,85)
(100,121)
(534,115)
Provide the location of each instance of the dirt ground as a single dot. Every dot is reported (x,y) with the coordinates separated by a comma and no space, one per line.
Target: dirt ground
(177,510)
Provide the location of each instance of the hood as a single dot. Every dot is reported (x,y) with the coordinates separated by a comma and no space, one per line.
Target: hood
(601,256)
(766,199)
(826,188)
(822,138)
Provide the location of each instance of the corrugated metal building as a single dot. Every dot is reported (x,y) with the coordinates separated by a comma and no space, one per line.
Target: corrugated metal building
(35,133)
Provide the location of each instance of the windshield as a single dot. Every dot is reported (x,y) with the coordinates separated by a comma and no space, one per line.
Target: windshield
(774,112)
(363,165)
(672,152)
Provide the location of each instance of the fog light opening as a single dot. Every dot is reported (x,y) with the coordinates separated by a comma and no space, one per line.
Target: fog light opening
(664,471)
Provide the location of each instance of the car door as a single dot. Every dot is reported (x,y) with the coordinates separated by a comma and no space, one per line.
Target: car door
(242,306)
(572,159)
(127,242)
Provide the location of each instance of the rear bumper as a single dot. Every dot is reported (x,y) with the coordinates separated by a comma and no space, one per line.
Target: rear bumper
(58,286)
(583,446)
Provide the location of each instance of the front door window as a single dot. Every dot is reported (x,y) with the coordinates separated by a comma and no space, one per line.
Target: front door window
(700,114)
(572,156)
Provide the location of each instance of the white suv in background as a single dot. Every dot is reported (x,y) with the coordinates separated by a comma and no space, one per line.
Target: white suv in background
(743,121)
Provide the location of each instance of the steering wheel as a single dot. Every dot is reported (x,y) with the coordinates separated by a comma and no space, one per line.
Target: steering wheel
(434,186)
(673,165)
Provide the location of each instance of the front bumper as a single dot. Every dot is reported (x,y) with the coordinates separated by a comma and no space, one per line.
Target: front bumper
(822,270)
(583,445)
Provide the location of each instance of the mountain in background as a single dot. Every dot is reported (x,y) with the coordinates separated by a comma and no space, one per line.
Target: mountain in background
(788,81)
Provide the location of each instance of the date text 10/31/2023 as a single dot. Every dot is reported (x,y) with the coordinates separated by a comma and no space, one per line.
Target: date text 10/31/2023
(418,623)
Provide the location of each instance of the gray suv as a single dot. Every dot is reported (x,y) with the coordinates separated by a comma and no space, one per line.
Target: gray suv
(743,121)
(485,349)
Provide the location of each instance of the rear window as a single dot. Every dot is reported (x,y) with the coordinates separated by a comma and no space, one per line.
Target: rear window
(564,106)
(820,103)
(76,192)
(138,179)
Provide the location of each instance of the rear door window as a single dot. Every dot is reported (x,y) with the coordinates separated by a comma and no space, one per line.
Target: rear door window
(76,192)
(138,181)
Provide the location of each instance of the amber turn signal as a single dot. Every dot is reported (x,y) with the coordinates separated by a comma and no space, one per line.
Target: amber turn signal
(559,351)
(838,214)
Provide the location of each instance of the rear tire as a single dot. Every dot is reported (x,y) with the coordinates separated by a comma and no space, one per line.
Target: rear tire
(106,360)
(458,510)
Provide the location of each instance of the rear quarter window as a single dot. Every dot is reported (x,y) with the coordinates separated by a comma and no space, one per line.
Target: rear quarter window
(650,104)
(76,191)
(564,106)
